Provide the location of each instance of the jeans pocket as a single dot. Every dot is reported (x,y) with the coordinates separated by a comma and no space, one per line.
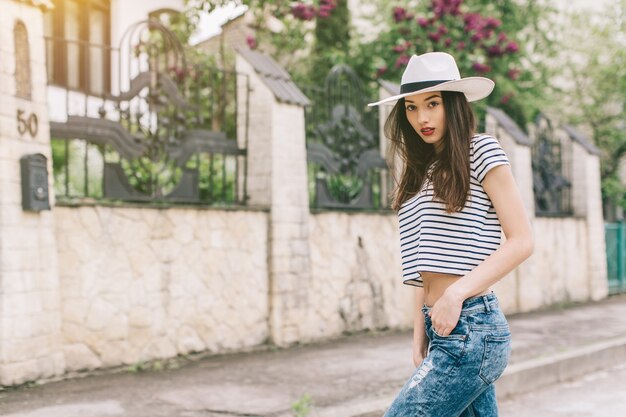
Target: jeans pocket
(451,336)
(453,344)
(496,354)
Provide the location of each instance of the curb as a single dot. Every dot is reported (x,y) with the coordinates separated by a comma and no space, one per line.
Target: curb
(518,378)
(535,373)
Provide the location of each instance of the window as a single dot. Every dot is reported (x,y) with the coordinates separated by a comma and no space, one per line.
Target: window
(77,45)
(22,61)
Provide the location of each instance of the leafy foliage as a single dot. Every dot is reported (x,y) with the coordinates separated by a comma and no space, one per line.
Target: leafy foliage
(501,40)
(593,84)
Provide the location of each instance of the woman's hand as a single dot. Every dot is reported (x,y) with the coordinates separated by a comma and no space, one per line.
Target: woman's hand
(446,312)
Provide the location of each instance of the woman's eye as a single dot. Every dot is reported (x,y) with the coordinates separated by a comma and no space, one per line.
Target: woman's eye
(410,107)
(433,104)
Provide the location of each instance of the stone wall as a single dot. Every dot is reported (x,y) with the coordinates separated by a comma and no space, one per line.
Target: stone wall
(559,262)
(356,275)
(140,283)
(30,340)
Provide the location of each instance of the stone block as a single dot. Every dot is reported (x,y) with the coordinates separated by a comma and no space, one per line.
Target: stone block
(162,229)
(19,372)
(90,222)
(117,328)
(19,350)
(79,357)
(99,315)
(51,365)
(140,317)
(117,352)
(188,340)
(158,349)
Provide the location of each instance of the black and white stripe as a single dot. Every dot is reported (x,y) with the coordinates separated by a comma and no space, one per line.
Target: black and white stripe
(453,243)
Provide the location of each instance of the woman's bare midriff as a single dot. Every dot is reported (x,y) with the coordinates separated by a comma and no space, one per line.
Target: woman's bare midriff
(435,284)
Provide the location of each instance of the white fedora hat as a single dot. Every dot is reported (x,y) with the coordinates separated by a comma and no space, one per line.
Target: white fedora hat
(437,71)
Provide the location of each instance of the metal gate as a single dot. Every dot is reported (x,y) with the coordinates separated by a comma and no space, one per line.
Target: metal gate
(164,129)
(346,170)
(616,256)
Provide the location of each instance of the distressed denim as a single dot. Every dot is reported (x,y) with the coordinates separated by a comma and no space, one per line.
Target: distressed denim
(456,378)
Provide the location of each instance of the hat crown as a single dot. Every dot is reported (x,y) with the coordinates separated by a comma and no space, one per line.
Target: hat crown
(432,66)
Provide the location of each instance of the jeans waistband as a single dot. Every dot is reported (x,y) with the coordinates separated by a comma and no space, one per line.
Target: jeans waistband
(479,304)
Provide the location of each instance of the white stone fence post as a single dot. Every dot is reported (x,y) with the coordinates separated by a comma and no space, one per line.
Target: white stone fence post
(30,323)
(277,177)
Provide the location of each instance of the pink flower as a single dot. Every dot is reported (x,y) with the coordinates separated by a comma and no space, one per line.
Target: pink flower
(447,42)
(326,7)
(399,14)
(460,46)
(399,48)
(323,12)
(513,73)
(380,71)
(443,7)
(481,68)
(433,36)
(472,21)
(492,22)
(477,37)
(251,41)
(442,29)
(402,60)
(506,98)
(501,37)
(512,47)
(302,11)
(494,51)
(179,72)
(422,21)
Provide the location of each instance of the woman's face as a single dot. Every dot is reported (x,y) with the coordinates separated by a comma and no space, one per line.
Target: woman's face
(426,114)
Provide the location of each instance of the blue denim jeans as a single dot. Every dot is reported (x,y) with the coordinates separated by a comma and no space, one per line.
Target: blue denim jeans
(456,377)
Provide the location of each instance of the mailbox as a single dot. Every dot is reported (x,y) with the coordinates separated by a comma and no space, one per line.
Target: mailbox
(34,182)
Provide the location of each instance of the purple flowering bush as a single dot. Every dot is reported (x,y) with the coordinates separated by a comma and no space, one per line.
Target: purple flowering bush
(479,42)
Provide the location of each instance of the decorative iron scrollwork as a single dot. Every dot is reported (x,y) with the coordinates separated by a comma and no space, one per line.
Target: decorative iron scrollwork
(342,148)
(551,182)
(155,124)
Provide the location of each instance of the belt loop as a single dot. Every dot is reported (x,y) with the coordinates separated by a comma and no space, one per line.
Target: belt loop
(486,302)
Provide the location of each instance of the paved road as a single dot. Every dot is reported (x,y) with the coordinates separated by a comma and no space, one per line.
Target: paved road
(601,394)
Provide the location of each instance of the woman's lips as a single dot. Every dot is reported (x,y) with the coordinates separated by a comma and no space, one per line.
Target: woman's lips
(428,131)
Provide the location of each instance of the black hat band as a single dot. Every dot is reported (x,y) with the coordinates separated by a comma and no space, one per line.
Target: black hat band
(410,87)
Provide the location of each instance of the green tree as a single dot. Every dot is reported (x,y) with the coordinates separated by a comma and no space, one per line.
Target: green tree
(502,40)
(299,22)
(592,89)
(331,42)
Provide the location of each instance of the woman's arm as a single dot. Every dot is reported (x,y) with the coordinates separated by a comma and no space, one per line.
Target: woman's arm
(500,185)
(420,340)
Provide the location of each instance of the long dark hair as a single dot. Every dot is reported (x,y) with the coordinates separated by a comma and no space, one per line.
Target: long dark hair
(451,174)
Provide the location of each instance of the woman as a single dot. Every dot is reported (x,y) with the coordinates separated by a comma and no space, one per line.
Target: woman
(455,195)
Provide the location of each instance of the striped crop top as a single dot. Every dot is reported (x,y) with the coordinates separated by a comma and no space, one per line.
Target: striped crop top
(434,240)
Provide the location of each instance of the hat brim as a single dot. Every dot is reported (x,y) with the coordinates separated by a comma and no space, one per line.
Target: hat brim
(474,88)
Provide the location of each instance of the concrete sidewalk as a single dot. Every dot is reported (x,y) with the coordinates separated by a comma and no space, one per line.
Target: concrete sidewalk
(357,375)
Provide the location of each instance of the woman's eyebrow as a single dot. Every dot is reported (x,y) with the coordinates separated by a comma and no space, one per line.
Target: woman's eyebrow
(426,99)
(433,96)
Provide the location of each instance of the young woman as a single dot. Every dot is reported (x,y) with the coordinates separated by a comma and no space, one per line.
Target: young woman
(455,195)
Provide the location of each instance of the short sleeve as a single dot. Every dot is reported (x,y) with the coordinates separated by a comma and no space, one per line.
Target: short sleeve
(486,155)
(415,282)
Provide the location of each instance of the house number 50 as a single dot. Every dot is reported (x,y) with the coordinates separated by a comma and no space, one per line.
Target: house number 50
(28,124)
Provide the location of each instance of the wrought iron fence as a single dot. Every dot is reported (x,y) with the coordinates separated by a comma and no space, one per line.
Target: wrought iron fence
(551,164)
(345,166)
(160,128)
(615,233)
